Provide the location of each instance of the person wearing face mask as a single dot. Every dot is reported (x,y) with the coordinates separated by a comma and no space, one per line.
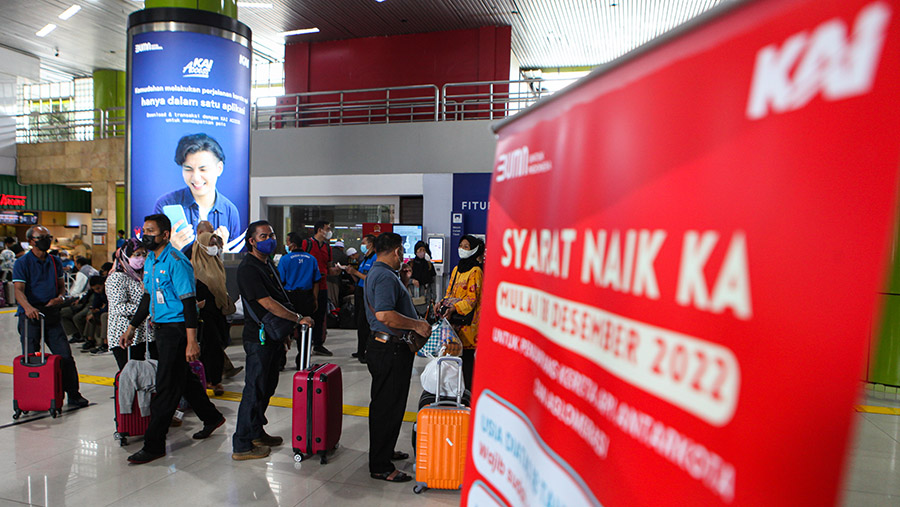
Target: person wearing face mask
(423,271)
(320,248)
(262,292)
(366,248)
(124,288)
(299,271)
(215,304)
(39,285)
(463,298)
(170,300)
(390,313)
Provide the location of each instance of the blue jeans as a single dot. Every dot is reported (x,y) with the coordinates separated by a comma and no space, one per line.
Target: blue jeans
(55,338)
(261,371)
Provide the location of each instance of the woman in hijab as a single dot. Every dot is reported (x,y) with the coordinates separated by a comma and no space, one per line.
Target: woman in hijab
(462,301)
(422,268)
(124,288)
(214,303)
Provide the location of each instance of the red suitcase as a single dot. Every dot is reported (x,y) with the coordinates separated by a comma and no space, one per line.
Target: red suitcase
(318,402)
(37,380)
(133,424)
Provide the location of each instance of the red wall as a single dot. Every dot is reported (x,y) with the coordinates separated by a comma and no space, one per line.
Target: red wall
(480,54)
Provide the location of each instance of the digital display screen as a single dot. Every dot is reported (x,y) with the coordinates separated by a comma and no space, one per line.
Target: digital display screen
(190,132)
(411,235)
(436,245)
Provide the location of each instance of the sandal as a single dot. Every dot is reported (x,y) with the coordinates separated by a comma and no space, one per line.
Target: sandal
(399,456)
(218,390)
(395,476)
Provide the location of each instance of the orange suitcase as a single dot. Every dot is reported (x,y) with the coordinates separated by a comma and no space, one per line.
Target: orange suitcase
(442,439)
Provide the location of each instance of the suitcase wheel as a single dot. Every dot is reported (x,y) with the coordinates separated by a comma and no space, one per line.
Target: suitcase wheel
(298,457)
(17,414)
(54,413)
(419,488)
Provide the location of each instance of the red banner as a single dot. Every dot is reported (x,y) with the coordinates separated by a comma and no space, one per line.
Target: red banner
(376,229)
(682,264)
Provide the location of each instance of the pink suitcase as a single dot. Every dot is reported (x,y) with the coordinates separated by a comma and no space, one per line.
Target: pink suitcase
(318,402)
(37,380)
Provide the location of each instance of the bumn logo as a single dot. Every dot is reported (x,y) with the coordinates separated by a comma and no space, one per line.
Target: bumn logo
(198,67)
(830,62)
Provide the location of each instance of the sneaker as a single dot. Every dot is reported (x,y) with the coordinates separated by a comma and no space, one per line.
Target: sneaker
(267,440)
(78,401)
(88,345)
(354,355)
(76,338)
(142,456)
(102,349)
(208,429)
(320,350)
(258,452)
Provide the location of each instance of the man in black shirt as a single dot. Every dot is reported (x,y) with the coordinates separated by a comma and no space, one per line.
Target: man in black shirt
(390,312)
(262,293)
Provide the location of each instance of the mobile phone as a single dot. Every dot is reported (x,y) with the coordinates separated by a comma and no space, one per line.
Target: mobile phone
(176,213)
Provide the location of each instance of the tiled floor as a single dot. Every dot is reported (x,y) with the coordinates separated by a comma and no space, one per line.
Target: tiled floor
(75,461)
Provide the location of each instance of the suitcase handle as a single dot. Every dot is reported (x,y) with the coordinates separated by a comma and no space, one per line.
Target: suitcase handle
(305,346)
(25,341)
(459,386)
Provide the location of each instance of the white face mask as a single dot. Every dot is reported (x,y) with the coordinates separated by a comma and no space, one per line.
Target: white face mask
(212,250)
(329,234)
(465,254)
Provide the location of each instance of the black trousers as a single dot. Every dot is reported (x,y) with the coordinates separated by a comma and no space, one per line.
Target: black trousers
(174,379)
(319,317)
(138,353)
(260,381)
(362,323)
(304,303)
(390,365)
(468,366)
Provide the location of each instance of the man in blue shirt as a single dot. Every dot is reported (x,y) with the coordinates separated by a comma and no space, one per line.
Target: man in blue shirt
(390,312)
(299,271)
(170,299)
(39,286)
(120,238)
(367,249)
(202,162)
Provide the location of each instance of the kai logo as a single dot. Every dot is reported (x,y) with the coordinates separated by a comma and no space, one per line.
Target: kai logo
(833,61)
(198,67)
(244,61)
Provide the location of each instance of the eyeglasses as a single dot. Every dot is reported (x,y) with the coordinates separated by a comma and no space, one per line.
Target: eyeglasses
(38,238)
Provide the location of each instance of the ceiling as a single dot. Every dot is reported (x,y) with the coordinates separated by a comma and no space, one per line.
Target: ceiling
(545,33)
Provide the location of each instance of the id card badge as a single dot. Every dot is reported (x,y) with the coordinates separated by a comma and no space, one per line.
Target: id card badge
(160,299)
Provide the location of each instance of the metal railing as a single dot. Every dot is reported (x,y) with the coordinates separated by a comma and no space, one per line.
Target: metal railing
(76,125)
(398,104)
(479,100)
(489,100)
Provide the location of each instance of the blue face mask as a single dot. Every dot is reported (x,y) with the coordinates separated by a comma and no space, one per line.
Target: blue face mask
(362,248)
(266,247)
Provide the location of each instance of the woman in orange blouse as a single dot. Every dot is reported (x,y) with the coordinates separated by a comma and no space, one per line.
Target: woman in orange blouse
(463,298)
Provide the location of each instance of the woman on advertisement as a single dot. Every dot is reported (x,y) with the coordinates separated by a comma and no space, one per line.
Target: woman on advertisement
(202,162)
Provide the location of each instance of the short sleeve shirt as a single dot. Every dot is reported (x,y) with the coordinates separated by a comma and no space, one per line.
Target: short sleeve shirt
(385,292)
(322,253)
(364,268)
(169,279)
(257,280)
(299,271)
(39,276)
(223,213)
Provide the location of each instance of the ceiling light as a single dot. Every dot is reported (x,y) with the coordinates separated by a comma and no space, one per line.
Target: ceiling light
(44,31)
(68,13)
(299,32)
(255,5)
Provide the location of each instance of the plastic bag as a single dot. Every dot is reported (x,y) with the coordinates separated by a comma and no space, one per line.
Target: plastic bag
(442,336)
(450,378)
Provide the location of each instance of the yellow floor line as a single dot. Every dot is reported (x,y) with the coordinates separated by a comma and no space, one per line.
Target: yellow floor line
(9,310)
(233,396)
(870,409)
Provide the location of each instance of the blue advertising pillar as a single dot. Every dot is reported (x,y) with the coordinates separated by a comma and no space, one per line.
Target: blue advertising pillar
(188,142)
(471,192)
